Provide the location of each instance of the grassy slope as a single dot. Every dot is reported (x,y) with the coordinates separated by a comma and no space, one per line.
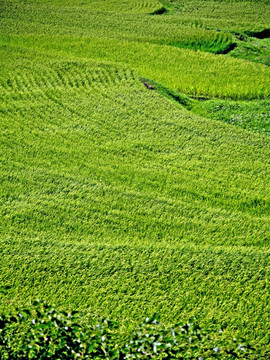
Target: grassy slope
(115,199)
(194,73)
(116,6)
(74,189)
(237,16)
(253,49)
(251,115)
(21,18)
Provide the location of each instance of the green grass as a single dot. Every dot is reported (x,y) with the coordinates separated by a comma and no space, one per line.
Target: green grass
(59,89)
(127,281)
(248,16)
(115,6)
(155,200)
(194,73)
(253,49)
(20,18)
(147,45)
(252,115)
(116,199)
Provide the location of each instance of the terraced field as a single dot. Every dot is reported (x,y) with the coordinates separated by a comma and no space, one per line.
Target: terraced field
(122,191)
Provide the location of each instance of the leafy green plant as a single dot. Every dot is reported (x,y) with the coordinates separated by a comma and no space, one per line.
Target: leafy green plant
(42,332)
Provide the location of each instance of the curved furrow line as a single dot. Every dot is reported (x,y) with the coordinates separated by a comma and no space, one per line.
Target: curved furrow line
(56,100)
(104,78)
(48,100)
(103,82)
(53,79)
(22,83)
(141,4)
(146,5)
(130,76)
(40,81)
(47,87)
(72,82)
(99,80)
(4,86)
(72,78)
(16,84)
(125,75)
(30,83)
(108,77)
(10,84)
(60,74)
(81,80)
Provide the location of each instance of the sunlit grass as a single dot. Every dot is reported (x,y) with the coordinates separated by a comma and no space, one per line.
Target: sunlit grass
(186,71)
(116,199)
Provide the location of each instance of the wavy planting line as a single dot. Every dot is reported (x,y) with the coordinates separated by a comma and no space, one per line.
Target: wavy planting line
(46,86)
(59,78)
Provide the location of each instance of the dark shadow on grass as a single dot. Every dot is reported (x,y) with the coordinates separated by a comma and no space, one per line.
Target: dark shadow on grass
(230,48)
(160,11)
(265,34)
(181,99)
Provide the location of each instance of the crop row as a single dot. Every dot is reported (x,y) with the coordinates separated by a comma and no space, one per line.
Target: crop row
(106,19)
(186,71)
(238,16)
(160,30)
(115,6)
(126,281)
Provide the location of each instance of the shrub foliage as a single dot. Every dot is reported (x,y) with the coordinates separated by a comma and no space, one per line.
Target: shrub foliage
(40,331)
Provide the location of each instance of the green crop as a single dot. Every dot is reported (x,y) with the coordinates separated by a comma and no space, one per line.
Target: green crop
(249,16)
(20,18)
(94,218)
(190,72)
(116,199)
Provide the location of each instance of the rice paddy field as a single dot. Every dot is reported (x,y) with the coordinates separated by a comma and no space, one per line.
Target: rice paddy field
(134,159)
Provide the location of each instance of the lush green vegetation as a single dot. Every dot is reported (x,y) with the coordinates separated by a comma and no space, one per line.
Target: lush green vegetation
(42,332)
(252,49)
(20,18)
(252,115)
(194,73)
(116,199)
(247,16)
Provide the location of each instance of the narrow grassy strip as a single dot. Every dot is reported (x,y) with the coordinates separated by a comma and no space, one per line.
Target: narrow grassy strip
(251,115)
(115,6)
(252,49)
(186,71)
(48,19)
(254,115)
(237,16)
